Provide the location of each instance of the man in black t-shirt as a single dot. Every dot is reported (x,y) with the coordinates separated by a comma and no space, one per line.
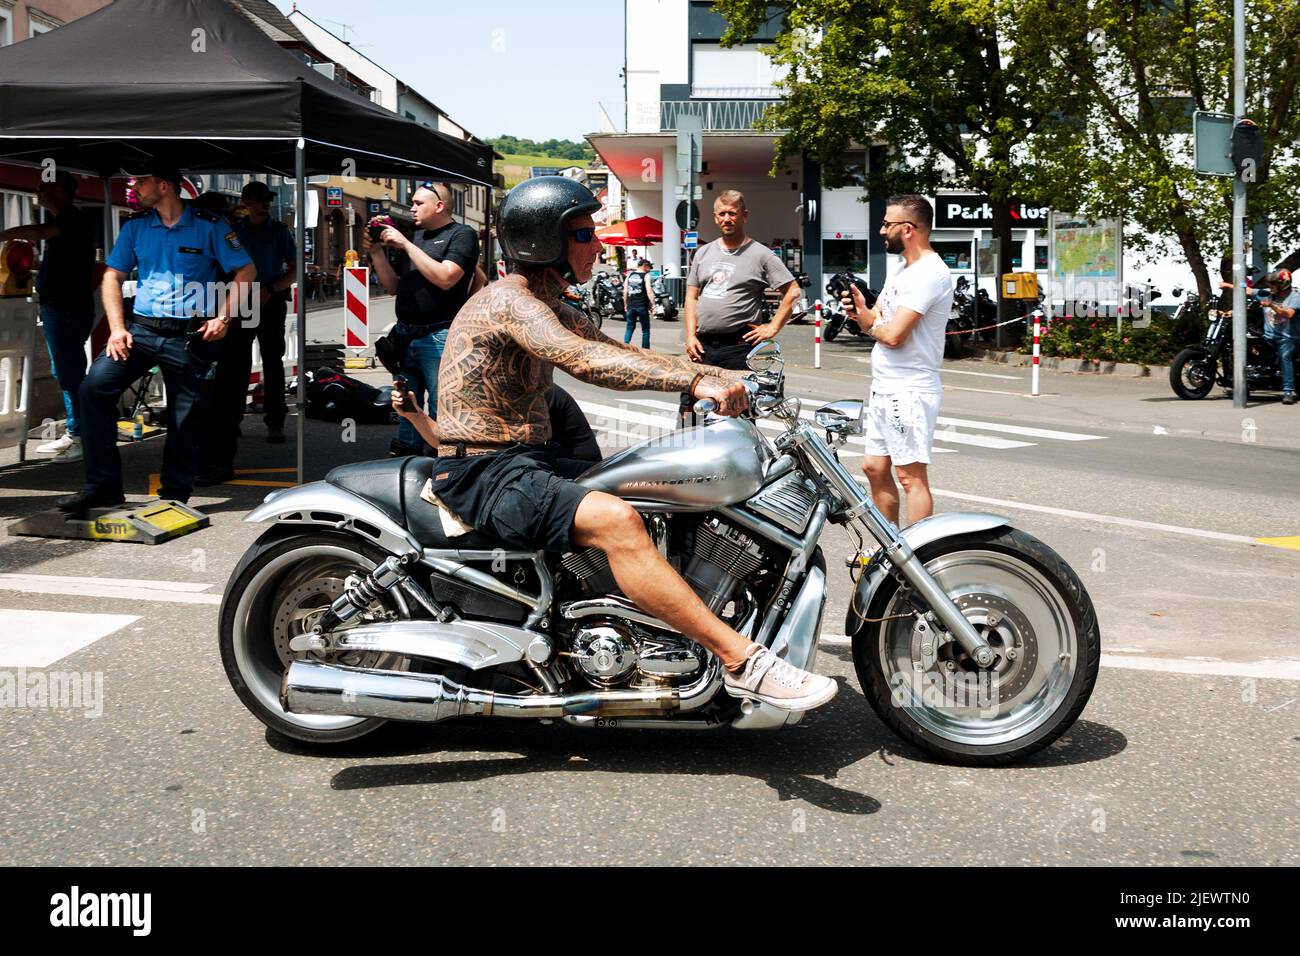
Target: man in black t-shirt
(431,282)
(65,284)
(638,302)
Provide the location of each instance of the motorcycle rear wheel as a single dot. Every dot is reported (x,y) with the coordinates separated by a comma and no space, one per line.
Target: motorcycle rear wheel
(275,593)
(1036,614)
(1191,375)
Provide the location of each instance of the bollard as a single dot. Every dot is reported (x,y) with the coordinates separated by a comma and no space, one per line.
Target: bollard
(817,334)
(1038,331)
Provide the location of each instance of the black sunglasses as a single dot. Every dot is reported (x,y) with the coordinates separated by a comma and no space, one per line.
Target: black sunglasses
(432,187)
(583,235)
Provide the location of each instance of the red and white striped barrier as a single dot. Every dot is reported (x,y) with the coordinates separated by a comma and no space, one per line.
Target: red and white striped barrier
(501,268)
(356,308)
(817,334)
(1038,331)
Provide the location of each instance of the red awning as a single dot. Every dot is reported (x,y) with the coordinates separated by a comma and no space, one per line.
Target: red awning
(634,232)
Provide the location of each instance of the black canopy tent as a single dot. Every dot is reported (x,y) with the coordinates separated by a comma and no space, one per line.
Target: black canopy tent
(195,84)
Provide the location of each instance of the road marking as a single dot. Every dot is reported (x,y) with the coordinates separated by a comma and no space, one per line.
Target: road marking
(1265,669)
(129,589)
(1103,519)
(957,371)
(1021,430)
(41,638)
(1291,543)
(988,391)
(155,479)
(664,426)
(980,441)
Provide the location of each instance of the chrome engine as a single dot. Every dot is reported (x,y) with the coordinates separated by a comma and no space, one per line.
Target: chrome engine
(609,652)
(723,557)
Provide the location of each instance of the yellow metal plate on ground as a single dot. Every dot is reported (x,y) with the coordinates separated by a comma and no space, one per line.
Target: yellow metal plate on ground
(168,517)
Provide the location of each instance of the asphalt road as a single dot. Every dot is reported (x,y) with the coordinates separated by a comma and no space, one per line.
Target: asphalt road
(1186,754)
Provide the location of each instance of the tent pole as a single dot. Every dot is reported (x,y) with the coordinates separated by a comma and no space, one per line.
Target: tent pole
(300,204)
(108,215)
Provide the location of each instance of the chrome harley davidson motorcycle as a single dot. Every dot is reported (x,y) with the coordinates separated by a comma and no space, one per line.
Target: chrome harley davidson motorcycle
(973,641)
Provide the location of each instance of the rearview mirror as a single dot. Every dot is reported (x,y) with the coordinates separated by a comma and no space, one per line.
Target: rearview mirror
(764,356)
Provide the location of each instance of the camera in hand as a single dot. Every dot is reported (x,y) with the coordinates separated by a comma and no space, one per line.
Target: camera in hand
(838,287)
(377,225)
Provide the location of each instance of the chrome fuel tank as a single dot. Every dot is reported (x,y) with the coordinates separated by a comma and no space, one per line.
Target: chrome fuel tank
(709,466)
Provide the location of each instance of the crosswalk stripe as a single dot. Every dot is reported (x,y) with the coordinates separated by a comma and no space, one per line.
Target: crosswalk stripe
(40,638)
(810,415)
(168,592)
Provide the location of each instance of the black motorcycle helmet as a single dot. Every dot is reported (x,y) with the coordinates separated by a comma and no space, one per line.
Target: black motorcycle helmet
(533,227)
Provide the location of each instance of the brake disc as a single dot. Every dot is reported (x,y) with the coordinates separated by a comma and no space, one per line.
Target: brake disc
(1007,631)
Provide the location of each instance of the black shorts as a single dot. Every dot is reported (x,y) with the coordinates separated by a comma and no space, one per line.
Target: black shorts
(517,496)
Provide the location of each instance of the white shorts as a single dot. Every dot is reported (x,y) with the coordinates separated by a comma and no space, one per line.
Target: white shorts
(900,425)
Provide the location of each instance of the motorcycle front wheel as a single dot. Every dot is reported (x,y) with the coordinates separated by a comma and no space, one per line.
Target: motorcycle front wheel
(1036,615)
(1191,376)
(278,590)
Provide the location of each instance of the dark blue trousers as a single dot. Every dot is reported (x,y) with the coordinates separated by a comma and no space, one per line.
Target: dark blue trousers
(187,376)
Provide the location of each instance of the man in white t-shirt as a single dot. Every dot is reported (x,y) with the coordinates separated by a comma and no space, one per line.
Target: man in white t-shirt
(908,323)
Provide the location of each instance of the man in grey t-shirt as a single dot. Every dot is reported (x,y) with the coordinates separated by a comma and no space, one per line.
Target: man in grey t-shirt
(724,291)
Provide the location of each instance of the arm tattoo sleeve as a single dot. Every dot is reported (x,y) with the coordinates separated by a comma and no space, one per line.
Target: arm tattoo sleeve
(541,333)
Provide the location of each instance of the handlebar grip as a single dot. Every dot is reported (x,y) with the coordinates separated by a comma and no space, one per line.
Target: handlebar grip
(706,406)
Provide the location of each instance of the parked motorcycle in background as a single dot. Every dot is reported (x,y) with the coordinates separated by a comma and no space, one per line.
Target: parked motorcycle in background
(1198,368)
(972,640)
(665,307)
(580,299)
(835,320)
(607,294)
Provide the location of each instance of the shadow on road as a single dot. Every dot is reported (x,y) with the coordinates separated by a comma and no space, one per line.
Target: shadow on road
(798,763)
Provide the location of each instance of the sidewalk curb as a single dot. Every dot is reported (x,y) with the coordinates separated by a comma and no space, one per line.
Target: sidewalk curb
(1060,364)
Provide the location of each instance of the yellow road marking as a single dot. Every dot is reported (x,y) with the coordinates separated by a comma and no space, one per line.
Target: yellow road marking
(155,480)
(1291,543)
(265,471)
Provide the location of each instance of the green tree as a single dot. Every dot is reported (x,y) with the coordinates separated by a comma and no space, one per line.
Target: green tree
(1144,63)
(956,88)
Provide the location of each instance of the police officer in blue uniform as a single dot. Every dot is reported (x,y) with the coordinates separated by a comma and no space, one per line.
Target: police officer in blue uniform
(180,313)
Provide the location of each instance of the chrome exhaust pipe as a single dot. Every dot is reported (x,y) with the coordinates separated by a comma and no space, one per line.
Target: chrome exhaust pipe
(311,687)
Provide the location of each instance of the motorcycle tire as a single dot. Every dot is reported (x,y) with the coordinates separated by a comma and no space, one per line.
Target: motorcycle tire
(952,345)
(277,585)
(1189,376)
(832,329)
(1025,597)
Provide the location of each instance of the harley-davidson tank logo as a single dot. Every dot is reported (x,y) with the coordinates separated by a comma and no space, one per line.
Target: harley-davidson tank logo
(699,480)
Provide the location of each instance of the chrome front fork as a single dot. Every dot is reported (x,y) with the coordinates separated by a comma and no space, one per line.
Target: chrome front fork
(897,550)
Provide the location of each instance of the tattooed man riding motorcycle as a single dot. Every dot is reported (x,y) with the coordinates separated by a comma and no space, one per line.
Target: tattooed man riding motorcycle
(502,475)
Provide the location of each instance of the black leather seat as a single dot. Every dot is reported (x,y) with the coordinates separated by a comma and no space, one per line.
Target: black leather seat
(394,486)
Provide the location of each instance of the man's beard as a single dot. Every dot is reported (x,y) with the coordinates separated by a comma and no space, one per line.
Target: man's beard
(893,245)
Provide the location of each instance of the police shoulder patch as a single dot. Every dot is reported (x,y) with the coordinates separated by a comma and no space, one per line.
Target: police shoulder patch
(233,239)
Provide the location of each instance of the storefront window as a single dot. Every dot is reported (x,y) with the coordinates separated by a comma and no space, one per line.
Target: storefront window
(955,255)
(844,255)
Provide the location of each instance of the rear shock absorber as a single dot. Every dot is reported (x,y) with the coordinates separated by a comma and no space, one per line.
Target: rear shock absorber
(356,599)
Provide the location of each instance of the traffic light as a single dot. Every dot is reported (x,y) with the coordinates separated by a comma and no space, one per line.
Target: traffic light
(1247,149)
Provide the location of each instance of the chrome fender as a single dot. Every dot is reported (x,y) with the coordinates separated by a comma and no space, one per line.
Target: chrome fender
(949,524)
(323,504)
